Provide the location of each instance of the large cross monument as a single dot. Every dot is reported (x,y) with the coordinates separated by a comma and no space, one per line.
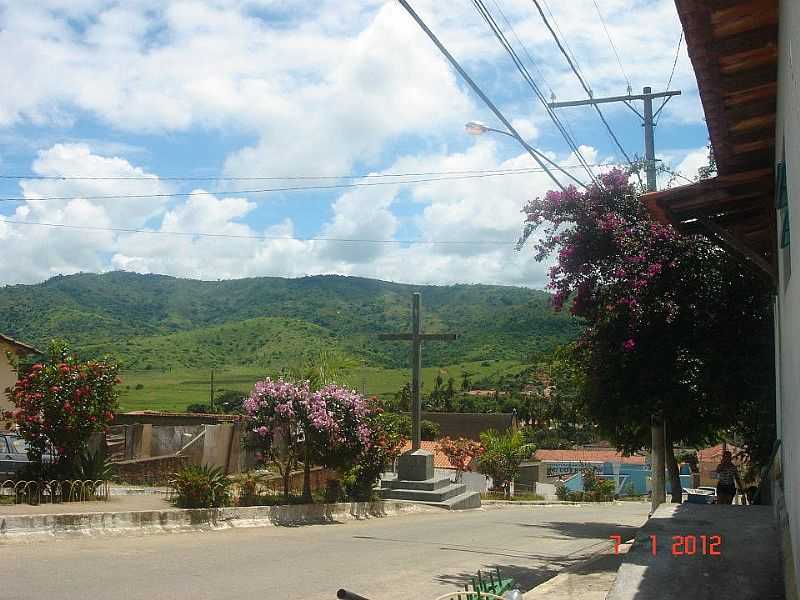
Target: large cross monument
(415,472)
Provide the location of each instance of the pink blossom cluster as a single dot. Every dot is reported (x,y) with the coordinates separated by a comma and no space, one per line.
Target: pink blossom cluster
(332,415)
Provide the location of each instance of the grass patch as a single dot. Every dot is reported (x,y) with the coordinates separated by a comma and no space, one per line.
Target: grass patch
(174,390)
(522,496)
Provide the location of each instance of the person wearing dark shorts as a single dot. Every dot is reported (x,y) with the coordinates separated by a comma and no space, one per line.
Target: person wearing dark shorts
(728,476)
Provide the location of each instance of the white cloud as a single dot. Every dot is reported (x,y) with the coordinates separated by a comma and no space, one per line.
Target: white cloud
(317,89)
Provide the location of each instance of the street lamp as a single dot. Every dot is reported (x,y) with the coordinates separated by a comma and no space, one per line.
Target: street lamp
(478,128)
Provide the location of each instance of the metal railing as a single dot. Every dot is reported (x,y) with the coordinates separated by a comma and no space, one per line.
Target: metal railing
(54,491)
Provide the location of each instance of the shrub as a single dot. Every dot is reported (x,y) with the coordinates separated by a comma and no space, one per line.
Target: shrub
(459,453)
(201,486)
(430,431)
(248,483)
(93,465)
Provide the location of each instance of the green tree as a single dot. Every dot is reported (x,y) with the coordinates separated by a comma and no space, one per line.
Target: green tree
(503,453)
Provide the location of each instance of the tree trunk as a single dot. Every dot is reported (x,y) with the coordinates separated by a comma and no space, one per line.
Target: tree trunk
(672,466)
(287,475)
(307,477)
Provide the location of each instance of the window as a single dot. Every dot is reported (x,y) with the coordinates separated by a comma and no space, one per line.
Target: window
(18,445)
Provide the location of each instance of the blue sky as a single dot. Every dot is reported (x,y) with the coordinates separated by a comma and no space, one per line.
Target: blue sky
(260,88)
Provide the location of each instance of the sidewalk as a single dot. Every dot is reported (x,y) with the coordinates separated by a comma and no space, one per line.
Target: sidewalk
(589,581)
(744,564)
(116,503)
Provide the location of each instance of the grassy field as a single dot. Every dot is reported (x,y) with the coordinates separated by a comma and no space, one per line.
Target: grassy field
(174,390)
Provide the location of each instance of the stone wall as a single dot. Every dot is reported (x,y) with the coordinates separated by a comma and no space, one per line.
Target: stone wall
(151,471)
(319,480)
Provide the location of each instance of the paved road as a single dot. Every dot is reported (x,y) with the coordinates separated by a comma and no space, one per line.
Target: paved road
(411,557)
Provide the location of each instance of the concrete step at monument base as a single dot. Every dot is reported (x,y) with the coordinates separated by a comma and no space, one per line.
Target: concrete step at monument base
(462,501)
(437,495)
(430,485)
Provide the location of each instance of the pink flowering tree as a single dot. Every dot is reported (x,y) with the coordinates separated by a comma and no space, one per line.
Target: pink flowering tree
(336,423)
(674,326)
(274,407)
(291,422)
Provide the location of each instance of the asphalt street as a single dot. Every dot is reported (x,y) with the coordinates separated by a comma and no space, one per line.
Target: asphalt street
(416,556)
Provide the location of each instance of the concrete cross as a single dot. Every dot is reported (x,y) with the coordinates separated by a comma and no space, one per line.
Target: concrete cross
(416,337)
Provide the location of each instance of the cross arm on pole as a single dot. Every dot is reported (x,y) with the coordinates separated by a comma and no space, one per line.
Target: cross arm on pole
(439,336)
(589,101)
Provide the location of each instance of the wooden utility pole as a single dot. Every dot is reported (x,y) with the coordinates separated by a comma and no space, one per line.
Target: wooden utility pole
(658,452)
(416,337)
(211,403)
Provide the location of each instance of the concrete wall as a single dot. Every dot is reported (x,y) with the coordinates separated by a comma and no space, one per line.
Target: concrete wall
(469,425)
(214,445)
(787,148)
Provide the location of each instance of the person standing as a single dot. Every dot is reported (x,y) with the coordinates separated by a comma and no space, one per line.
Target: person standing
(728,479)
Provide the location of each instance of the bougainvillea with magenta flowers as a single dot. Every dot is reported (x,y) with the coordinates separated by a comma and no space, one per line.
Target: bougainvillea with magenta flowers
(59,404)
(674,325)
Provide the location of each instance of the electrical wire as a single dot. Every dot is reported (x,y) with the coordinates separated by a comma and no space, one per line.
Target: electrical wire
(259,237)
(537,156)
(272,190)
(487,16)
(155,179)
(582,81)
(613,46)
(562,118)
(671,75)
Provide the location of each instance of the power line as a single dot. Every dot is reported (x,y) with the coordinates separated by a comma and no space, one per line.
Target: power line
(534,62)
(155,179)
(285,189)
(537,156)
(259,237)
(675,62)
(582,81)
(672,73)
(563,37)
(614,48)
(484,12)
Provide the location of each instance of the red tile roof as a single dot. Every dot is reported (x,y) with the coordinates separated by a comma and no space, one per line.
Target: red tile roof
(588,455)
(714,453)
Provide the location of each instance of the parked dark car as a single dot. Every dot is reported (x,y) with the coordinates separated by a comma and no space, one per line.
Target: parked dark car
(14,455)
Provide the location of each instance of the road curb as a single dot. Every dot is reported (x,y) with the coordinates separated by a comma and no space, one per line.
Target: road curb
(31,528)
(544,503)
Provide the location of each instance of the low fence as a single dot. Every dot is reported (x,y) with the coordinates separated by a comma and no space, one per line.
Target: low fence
(53,491)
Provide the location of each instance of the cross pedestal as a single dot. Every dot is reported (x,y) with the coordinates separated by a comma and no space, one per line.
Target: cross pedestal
(416,465)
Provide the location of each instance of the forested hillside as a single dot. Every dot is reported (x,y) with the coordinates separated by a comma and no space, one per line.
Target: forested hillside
(165,322)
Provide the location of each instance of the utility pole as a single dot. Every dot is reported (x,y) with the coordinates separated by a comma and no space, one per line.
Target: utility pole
(658,450)
(211,404)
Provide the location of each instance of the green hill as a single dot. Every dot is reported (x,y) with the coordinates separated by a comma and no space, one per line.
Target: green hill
(166,322)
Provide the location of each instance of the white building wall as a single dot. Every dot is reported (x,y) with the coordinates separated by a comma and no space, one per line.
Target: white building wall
(787,148)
